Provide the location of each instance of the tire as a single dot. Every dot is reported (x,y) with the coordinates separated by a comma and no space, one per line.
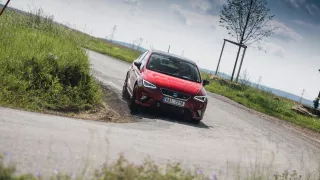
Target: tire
(191,120)
(125,93)
(195,121)
(132,104)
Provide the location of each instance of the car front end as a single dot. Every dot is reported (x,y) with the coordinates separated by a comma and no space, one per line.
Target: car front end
(150,94)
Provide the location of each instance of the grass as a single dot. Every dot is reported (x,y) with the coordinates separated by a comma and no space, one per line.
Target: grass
(262,101)
(125,170)
(115,51)
(44,66)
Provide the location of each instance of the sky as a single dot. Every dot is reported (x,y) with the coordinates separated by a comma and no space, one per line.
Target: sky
(290,63)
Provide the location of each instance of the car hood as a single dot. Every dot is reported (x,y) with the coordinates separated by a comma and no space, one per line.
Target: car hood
(172,83)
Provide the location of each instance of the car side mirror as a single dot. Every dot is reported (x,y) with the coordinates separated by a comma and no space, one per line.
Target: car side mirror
(205,82)
(138,64)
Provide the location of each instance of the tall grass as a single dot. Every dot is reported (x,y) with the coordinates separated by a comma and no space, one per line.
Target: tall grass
(125,170)
(262,101)
(43,65)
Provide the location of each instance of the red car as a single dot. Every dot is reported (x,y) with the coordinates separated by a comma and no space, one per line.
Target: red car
(162,80)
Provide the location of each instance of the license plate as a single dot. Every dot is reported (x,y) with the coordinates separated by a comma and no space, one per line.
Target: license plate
(173,102)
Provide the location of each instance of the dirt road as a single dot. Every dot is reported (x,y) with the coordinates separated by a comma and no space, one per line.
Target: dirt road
(228,136)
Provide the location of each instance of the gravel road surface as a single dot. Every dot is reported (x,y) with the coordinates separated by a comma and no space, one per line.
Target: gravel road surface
(227,137)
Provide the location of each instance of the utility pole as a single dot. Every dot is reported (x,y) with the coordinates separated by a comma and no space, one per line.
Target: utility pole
(133,44)
(301,95)
(114,29)
(169,49)
(5,6)
(258,83)
(241,41)
(182,52)
(319,91)
(140,41)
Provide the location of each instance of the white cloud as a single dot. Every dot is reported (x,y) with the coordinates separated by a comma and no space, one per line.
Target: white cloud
(272,49)
(317,58)
(132,2)
(312,9)
(307,25)
(285,32)
(206,6)
(275,50)
(194,19)
(293,3)
(203,5)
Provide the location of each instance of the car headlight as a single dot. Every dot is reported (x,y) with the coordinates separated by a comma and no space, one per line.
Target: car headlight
(200,98)
(148,84)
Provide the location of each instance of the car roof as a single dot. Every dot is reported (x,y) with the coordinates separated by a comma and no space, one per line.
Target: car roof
(172,55)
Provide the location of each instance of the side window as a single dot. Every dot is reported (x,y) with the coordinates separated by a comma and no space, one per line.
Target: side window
(142,56)
(144,60)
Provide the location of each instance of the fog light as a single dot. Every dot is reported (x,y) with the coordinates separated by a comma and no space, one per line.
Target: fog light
(199,113)
(143,97)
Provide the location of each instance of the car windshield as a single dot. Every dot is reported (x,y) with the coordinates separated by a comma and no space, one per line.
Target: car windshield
(173,66)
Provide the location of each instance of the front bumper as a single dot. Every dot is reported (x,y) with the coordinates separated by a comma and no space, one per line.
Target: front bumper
(153,98)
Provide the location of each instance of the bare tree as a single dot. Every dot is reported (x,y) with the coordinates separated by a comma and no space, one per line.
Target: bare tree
(247,21)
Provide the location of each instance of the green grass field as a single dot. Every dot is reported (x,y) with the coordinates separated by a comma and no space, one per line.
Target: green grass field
(262,101)
(115,51)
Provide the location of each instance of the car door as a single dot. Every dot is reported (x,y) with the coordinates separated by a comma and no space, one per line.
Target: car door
(134,72)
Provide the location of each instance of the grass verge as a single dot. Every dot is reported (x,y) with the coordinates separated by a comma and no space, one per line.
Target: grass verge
(262,101)
(43,66)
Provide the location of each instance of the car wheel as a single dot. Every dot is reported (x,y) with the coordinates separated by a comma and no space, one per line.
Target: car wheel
(125,93)
(132,104)
(195,121)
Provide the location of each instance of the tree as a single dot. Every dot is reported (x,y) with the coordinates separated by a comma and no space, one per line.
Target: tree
(316,103)
(247,21)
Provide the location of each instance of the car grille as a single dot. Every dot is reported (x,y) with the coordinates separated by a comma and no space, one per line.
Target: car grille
(174,94)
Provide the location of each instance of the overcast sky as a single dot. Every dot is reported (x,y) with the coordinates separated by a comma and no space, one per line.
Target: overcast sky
(293,53)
